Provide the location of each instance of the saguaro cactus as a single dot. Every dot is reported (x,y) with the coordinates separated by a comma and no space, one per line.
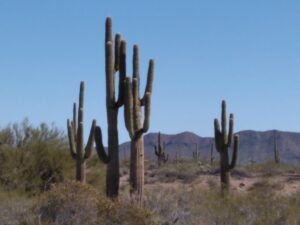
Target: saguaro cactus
(223,142)
(212,154)
(76,142)
(115,61)
(275,149)
(196,153)
(159,150)
(134,125)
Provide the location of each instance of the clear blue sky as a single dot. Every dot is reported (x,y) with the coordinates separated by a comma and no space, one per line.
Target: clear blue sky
(247,52)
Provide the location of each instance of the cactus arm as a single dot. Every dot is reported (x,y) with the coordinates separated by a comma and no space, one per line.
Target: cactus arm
(122,74)
(223,123)
(230,133)
(117,51)
(128,108)
(89,146)
(136,105)
(71,139)
(146,123)
(74,123)
(136,65)
(149,84)
(99,146)
(108,30)
(110,79)
(235,152)
(147,109)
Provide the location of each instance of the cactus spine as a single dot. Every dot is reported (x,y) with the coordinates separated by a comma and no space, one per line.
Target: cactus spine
(196,153)
(134,125)
(223,142)
(76,142)
(115,59)
(159,150)
(276,152)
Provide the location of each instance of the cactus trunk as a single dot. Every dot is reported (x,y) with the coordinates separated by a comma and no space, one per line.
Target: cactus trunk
(137,169)
(276,153)
(112,171)
(80,171)
(225,172)
(212,154)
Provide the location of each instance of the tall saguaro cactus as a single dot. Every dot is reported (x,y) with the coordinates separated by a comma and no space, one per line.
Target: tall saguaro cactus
(159,150)
(115,61)
(223,142)
(134,124)
(76,135)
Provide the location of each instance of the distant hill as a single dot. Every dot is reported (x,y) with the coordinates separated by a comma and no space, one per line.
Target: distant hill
(254,145)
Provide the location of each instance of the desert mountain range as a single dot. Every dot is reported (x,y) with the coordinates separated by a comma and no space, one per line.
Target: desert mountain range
(255,146)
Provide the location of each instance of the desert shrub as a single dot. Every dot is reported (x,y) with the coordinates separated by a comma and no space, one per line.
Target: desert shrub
(72,203)
(186,172)
(32,158)
(16,210)
(96,174)
(270,168)
(197,206)
(69,203)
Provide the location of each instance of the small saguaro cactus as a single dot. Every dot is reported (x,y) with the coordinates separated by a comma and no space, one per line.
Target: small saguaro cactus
(196,153)
(76,136)
(223,142)
(212,154)
(159,150)
(134,124)
(115,61)
(275,149)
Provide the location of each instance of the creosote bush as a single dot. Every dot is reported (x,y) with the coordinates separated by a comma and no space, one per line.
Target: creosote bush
(202,207)
(32,158)
(73,203)
(69,203)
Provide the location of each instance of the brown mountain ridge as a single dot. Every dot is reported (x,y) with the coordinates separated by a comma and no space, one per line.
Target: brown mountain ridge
(255,146)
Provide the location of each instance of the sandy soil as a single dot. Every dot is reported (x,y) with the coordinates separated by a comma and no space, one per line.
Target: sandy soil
(285,184)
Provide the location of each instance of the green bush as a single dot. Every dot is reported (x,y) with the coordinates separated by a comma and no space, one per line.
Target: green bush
(73,203)
(31,159)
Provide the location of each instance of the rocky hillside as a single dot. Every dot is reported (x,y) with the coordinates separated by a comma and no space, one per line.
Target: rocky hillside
(254,145)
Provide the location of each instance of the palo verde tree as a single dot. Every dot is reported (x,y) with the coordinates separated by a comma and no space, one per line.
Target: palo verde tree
(223,141)
(136,124)
(76,137)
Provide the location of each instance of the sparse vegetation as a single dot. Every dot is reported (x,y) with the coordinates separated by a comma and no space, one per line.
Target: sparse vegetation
(175,193)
